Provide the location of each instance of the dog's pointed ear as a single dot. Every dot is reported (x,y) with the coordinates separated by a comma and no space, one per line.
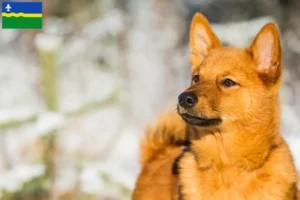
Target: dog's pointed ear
(266,53)
(202,39)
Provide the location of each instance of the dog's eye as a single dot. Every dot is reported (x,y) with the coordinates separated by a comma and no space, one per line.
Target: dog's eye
(196,78)
(228,83)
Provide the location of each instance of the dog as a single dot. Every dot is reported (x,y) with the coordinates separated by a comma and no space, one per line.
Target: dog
(224,143)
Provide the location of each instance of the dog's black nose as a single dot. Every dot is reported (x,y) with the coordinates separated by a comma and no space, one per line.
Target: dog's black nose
(187,99)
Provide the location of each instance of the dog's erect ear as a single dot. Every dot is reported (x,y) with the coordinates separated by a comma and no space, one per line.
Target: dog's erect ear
(202,39)
(266,53)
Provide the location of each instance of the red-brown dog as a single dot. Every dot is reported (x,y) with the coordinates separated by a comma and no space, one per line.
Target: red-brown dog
(231,120)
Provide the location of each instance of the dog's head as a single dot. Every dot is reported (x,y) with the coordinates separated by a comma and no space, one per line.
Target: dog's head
(231,85)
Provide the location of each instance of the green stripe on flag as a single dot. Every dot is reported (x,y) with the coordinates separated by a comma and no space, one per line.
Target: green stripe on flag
(22,22)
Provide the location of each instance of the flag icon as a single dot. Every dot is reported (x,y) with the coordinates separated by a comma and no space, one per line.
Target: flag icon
(22,15)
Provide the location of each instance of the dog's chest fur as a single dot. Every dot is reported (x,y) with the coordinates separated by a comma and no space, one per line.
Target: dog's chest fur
(210,183)
(271,182)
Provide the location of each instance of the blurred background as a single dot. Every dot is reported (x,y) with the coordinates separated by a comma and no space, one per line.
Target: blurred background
(75,96)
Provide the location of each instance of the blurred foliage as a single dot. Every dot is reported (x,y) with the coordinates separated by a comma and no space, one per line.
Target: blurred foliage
(49,70)
(35,189)
(112,99)
(124,191)
(17,123)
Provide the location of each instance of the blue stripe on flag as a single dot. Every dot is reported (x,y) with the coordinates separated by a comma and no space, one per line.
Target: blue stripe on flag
(25,7)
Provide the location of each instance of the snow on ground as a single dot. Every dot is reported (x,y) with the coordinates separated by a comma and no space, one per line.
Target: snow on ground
(18,114)
(125,155)
(87,135)
(120,167)
(49,122)
(95,141)
(100,144)
(80,139)
(13,179)
(17,83)
(96,86)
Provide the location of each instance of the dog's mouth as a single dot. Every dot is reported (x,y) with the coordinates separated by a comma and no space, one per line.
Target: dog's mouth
(199,121)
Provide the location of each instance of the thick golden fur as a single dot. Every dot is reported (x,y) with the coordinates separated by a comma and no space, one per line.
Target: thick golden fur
(242,158)
(159,149)
(165,135)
